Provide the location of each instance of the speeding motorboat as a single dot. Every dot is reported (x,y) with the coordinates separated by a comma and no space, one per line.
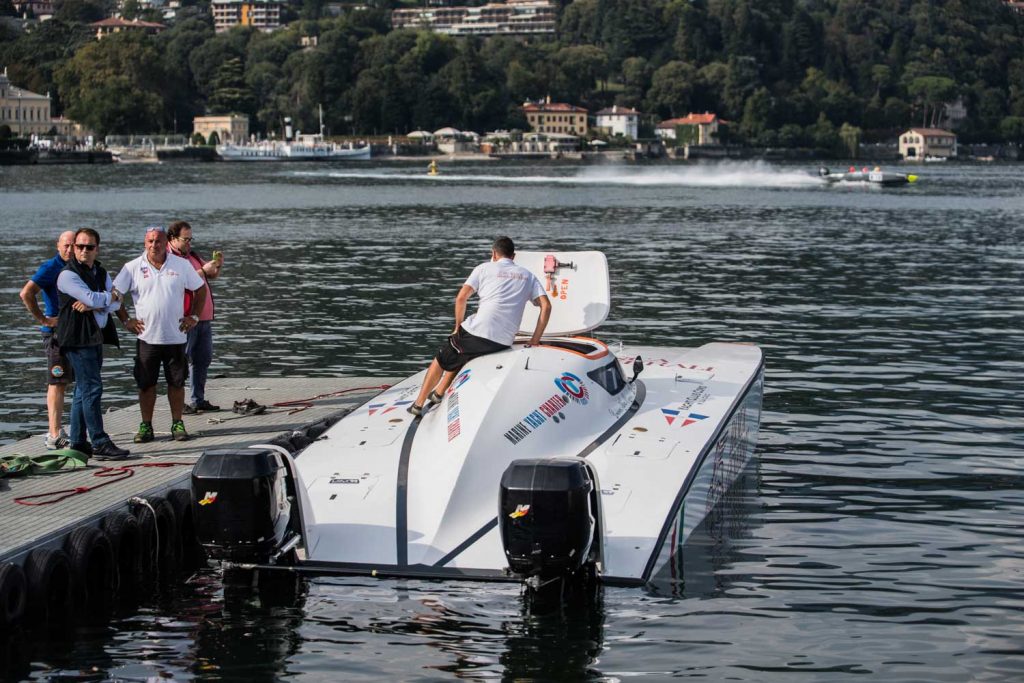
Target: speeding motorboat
(560,461)
(876,176)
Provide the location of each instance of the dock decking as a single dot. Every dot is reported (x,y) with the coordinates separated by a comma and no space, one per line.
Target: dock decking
(291,404)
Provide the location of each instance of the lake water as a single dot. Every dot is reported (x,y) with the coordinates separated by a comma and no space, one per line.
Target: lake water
(877,536)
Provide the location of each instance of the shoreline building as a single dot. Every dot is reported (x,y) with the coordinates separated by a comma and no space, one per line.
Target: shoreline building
(513,17)
(263,15)
(117,24)
(25,112)
(619,121)
(920,143)
(556,117)
(230,128)
(692,129)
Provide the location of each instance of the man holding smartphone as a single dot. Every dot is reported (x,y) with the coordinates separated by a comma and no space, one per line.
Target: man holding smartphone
(199,347)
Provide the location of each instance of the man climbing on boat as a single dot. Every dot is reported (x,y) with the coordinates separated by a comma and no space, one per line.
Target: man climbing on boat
(503,288)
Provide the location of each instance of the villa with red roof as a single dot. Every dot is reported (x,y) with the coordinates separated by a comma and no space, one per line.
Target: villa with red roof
(556,117)
(117,24)
(694,129)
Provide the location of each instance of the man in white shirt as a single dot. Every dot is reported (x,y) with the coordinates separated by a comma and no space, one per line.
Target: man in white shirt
(157,281)
(503,288)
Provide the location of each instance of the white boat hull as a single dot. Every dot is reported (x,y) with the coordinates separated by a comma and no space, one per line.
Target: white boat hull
(390,495)
(284,151)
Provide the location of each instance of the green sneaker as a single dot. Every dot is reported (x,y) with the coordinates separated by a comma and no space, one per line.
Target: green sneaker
(145,433)
(178,432)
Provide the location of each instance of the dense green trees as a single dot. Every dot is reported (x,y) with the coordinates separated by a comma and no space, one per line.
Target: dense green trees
(789,72)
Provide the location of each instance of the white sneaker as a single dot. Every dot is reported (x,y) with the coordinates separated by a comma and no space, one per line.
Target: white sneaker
(54,443)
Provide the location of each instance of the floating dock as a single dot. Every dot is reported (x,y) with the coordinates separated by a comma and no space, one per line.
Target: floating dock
(65,500)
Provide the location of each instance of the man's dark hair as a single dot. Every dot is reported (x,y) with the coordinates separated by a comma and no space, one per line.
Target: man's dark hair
(90,232)
(175,228)
(504,246)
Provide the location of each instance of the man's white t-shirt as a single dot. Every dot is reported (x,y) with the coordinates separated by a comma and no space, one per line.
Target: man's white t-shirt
(504,289)
(159,295)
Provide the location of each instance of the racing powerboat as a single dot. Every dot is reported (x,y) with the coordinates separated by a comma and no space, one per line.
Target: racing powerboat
(876,176)
(561,461)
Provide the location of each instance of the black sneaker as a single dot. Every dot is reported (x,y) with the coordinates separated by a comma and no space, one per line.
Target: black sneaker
(415,410)
(189,409)
(110,451)
(435,398)
(206,407)
(82,447)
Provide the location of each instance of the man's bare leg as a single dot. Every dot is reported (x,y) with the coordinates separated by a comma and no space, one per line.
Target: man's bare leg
(147,402)
(176,399)
(446,381)
(434,373)
(55,407)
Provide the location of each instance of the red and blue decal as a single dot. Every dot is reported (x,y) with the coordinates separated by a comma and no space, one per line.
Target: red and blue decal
(460,380)
(687,418)
(386,407)
(573,387)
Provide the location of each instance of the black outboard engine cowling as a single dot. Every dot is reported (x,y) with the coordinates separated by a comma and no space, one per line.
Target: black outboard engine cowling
(547,524)
(240,503)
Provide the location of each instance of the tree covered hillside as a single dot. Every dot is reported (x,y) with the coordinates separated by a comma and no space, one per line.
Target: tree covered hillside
(782,71)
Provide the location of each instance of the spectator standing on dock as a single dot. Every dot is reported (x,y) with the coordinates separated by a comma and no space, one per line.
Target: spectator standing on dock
(84,325)
(157,281)
(504,289)
(199,347)
(58,372)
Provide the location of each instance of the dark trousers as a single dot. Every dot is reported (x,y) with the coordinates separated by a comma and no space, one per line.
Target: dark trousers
(199,349)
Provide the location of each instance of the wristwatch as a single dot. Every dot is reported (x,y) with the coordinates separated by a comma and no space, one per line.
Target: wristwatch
(195,318)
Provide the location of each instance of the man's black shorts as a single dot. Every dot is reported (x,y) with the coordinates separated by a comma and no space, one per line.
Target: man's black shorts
(462,347)
(58,369)
(149,358)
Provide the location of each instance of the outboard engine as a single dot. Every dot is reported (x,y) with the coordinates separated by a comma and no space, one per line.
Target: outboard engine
(240,503)
(547,520)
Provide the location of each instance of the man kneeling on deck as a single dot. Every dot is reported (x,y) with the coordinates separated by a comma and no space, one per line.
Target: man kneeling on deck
(504,288)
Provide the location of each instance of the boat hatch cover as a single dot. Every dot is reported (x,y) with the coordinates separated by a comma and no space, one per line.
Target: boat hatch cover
(578,288)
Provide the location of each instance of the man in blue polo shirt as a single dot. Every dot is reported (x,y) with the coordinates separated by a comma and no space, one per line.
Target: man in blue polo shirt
(58,370)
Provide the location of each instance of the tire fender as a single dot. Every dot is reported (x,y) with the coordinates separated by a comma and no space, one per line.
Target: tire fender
(125,534)
(93,572)
(13,594)
(49,585)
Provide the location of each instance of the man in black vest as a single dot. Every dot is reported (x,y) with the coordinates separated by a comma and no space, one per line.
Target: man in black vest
(83,327)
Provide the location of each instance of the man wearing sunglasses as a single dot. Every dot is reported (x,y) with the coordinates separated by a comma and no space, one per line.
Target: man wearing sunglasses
(157,281)
(58,370)
(84,325)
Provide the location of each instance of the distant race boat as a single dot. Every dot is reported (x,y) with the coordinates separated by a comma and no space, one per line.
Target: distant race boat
(877,177)
(307,148)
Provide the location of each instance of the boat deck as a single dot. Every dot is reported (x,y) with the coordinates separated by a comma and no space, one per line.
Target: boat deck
(163,464)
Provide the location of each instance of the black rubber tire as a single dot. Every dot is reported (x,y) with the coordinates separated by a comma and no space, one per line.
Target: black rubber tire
(147,543)
(316,430)
(13,594)
(191,553)
(299,441)
(125,536)
(93,571)
(167,554)
(48,572)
